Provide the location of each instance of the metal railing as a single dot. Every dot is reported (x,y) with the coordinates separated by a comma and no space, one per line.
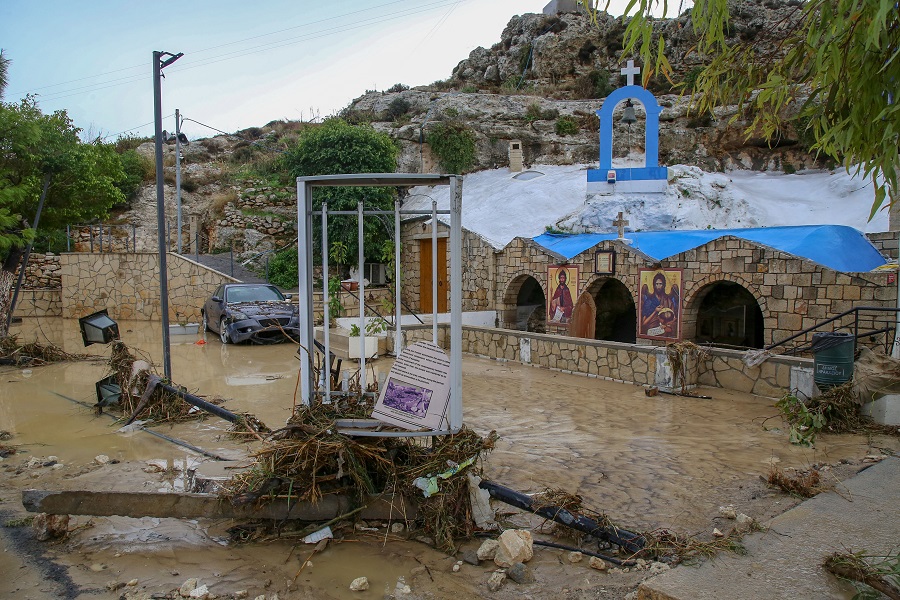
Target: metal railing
(861,327)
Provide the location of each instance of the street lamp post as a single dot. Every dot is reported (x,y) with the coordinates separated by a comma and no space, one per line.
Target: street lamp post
(159,63)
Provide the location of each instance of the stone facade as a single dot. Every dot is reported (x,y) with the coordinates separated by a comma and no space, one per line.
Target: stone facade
(628,363)
(479,268)
(127,285)
(792,293)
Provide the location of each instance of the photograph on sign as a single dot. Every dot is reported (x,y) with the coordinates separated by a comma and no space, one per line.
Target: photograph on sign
(417,392)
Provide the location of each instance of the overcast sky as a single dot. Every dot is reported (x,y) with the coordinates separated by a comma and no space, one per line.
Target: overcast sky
(245,62)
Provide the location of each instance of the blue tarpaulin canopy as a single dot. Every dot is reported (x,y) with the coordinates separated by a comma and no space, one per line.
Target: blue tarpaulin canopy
(837,247)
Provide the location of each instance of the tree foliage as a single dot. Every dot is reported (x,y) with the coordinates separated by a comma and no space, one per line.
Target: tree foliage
(4,73)
(834,64)
(336,147)
(454,145)
(35,147)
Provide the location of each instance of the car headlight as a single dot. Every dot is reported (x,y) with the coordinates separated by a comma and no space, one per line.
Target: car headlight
(237,315)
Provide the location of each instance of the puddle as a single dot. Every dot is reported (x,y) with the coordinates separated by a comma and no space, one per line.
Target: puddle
(647,462)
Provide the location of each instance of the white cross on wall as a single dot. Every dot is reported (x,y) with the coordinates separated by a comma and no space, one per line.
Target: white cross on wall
(630,71)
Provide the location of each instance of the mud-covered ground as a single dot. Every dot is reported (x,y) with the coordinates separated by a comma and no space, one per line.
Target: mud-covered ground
(647,462)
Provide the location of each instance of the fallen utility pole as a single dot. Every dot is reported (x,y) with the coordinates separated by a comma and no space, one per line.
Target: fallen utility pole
(207,506)
(632,542)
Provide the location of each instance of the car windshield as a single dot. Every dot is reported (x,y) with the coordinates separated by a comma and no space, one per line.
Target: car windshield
(252,293)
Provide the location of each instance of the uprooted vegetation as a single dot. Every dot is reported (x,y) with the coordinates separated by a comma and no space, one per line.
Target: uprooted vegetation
(836,411)
(33,354)
(868,572)
(310,458)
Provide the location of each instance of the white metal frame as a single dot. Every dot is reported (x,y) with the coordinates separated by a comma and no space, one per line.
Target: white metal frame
(305,216)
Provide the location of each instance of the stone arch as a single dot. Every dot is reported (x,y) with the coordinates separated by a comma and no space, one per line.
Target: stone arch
(651,131)
(616,310)
(726,310)
(525,304)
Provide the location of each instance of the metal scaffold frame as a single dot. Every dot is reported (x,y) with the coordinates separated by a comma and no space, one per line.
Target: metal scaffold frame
(305,253)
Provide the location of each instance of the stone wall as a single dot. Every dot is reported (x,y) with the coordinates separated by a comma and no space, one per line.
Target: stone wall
(792,293)
(886,242)
(39,303)
(629,363)
(127,285)
(479,268)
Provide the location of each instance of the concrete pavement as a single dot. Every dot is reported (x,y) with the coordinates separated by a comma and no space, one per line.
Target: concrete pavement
(785,562)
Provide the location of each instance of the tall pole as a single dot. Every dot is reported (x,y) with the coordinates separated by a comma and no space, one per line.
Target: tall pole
(158,65)
(178,178)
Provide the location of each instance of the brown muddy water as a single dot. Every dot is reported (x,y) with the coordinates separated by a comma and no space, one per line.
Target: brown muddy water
(647,462)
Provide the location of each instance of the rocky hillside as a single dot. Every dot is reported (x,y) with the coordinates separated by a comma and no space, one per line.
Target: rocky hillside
(541,83)
(547,70)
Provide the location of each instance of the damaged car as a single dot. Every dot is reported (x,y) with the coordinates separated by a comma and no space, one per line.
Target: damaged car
(251,312)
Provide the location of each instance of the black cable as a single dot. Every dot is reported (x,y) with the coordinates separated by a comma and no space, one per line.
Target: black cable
(615,561)
(175,441)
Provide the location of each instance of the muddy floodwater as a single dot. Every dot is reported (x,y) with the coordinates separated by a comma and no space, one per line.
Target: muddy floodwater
(647,462)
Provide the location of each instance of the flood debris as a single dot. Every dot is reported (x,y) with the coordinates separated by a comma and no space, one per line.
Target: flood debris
(602,529)
(148,397)
(881,573)
(805,484)
(34,354)
(310,459)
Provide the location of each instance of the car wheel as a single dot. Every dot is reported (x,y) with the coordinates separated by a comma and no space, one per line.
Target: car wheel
(223,332)
(205,321)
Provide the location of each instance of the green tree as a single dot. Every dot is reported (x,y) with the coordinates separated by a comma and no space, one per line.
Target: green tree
(832,64)
(41,155)
(336,147)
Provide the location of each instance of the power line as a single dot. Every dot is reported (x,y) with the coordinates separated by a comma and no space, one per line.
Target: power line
(252,50)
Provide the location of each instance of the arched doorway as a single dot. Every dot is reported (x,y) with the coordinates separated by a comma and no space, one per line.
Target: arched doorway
(531,307)
(616,313)
(729,315)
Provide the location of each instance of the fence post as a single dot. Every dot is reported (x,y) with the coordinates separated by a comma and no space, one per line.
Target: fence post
(101,238)
(197,246)
(133,237)
(68,239)
(91,237)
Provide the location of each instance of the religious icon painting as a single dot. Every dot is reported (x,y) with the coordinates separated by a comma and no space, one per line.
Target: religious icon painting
(659,312)
(562,289)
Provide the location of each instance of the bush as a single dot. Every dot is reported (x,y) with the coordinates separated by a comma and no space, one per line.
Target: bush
(128,142)
(594,84)
(137,170)
(397,108)
(566,125)
(454,145)
(283,268)
(397,87)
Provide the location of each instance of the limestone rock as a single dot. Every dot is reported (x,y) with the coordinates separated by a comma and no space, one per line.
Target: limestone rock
(515,545)
(743,523)
(487,550)
(360,584)
(188,586)
(728,512)
(599,564)
(200,593)
(101,459)
(520,573)
(717,533)
(574,557)
(496,580)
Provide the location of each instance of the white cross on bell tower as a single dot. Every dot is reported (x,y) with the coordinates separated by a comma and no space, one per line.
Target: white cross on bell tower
(629,71)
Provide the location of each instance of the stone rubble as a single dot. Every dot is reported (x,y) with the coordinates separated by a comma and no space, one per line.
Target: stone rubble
(515,545)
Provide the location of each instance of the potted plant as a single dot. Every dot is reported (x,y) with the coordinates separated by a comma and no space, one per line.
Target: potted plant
(374,327)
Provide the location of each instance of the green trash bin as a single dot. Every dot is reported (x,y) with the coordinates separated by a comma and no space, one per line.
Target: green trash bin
(833,358)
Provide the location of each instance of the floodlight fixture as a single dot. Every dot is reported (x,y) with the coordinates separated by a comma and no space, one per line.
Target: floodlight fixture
(98,328)
(109,392)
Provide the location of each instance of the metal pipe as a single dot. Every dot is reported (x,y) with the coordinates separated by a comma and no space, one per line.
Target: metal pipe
(362,295)
(178,180)
(434,274)
(398,336)
(632,542)
(326,309)
(202,404)
(456,383)
(305,292)
(68,239)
